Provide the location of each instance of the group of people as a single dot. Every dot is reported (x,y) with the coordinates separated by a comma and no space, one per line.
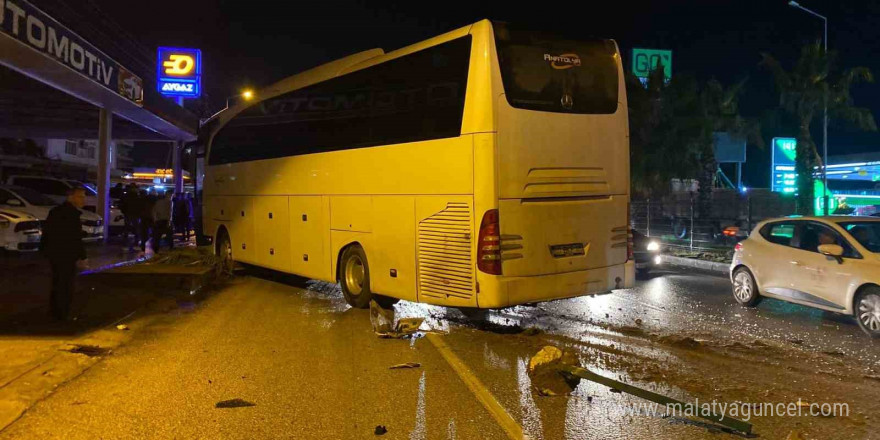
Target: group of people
(146,215)
(154,215)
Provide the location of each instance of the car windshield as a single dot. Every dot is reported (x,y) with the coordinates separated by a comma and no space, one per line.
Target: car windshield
(867,233)
(33,197)
(86,186)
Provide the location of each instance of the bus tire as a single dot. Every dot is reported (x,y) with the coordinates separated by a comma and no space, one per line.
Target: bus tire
(223,248)
(354,277)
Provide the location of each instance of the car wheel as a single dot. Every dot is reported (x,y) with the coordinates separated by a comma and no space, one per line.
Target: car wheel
(745,289)
(354,277)
(867,311)
(224,252)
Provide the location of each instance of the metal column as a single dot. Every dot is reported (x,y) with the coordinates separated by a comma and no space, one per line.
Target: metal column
(105,130)
(176,150)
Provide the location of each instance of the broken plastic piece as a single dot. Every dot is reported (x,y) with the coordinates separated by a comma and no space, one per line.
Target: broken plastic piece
(405,365)
(234,403)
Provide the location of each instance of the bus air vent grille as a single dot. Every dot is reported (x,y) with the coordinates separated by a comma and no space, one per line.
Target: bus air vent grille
(444,253)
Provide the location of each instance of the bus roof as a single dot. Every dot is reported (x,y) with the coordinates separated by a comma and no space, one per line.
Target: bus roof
(342,66)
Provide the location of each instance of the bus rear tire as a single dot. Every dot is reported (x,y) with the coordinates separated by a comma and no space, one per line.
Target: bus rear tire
(354,277)
(224,252)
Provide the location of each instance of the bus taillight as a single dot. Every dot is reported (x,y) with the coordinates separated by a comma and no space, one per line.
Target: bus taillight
(489,244)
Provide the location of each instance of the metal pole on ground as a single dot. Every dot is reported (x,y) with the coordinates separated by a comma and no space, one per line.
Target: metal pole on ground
(105,134)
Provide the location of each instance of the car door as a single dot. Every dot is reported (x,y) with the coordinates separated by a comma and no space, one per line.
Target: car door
(819,279)
(773,276)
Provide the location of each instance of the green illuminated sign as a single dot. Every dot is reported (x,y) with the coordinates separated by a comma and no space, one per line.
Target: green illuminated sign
(646,60)
(782,172)
(819,205)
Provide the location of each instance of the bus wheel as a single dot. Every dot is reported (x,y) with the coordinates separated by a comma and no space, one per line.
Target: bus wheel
(354,277)
(224,252)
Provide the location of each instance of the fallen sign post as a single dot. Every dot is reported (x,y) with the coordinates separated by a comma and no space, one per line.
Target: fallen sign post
(553,371)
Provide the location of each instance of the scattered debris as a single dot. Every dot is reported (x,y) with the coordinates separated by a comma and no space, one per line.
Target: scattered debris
(615,390)
(679,341)
(380,430)
(234,403)
(382,318)
(89,350)
(638,321)
(796,342)
(408,326)
(559,372)
(835,353)
(872,376)
(405,365)
(794,435)
(122,327)
(532,331)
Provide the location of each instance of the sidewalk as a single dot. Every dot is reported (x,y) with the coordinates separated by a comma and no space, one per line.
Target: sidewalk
(36,351)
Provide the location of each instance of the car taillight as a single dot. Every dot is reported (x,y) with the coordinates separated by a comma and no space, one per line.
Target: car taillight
(738,247)
(489,244)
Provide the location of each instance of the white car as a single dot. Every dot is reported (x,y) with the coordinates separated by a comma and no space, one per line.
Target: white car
(56,189)
(830,263)
(19,231)
(38,205)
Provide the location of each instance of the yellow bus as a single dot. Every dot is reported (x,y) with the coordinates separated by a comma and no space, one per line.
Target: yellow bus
(483,168)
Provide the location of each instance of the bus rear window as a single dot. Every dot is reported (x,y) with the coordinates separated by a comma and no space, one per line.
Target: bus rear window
(546,73)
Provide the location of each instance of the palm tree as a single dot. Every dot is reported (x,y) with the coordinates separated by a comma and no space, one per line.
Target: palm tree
(671,126)
(803,92)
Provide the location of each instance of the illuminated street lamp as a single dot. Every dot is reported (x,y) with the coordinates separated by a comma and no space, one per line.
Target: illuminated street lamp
(795,4)
(247,95)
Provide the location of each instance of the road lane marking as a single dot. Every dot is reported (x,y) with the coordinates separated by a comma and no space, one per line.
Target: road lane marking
(507,423)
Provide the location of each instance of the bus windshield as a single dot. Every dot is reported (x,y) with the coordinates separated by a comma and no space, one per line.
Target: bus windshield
(547,73)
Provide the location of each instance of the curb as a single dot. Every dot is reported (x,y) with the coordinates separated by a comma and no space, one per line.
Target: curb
(711,266)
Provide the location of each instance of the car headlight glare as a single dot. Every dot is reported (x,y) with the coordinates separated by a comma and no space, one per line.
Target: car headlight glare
(653,246)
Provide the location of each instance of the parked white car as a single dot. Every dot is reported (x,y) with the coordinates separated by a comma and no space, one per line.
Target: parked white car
(56,189)
(19,231)
(38,205)
(830,263)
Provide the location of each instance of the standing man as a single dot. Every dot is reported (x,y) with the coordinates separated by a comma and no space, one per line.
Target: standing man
(162,225)
(145,218)
(62,244)
(181,216)
(130,206)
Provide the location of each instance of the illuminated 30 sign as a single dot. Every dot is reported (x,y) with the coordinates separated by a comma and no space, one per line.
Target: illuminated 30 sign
(179,72)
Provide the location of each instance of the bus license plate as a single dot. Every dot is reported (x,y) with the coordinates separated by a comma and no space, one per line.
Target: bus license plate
(567,250)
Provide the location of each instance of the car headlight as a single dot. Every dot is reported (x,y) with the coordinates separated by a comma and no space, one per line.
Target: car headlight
(653,246)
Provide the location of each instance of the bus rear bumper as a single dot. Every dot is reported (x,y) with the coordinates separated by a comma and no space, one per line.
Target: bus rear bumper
(521,290)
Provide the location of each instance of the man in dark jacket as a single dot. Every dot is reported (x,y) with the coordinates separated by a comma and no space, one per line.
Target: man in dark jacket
(62,244)
(130,206)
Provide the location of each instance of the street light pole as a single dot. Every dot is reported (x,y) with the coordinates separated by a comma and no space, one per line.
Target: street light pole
(825,110)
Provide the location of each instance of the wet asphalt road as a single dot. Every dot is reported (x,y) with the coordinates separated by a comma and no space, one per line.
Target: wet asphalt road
(312,368)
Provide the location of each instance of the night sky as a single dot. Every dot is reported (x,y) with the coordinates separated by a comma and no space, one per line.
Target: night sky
(252,43)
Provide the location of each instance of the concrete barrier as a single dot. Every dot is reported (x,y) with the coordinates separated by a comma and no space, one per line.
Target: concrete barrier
(711,266)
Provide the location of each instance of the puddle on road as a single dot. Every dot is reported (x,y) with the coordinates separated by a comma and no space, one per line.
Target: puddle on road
(89,350)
